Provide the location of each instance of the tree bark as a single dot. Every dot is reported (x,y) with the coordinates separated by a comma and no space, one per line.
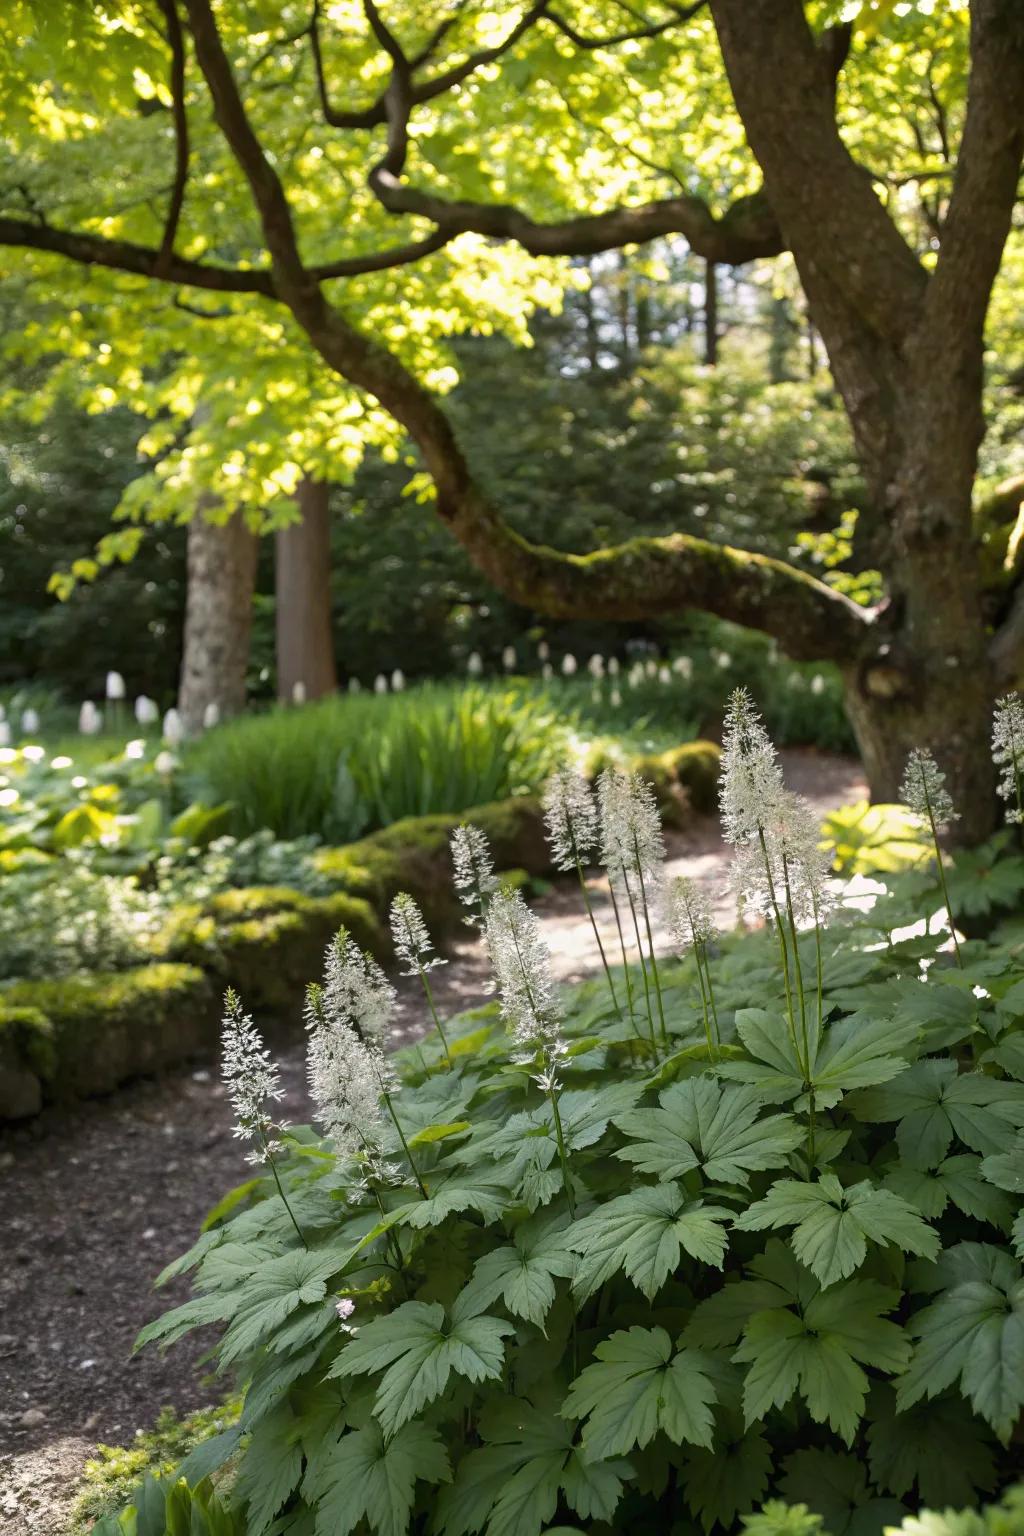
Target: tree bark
(302,566)
(711,314)
(218,618)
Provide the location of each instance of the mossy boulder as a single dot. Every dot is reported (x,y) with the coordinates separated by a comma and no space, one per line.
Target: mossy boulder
(685,779)
(27,1058)
(268,941)
(413,855)
(109,1026)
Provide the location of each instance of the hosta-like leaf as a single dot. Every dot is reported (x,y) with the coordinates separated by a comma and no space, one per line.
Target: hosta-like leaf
(637,1387)
(644,1234)
(974,1333)
(818,1352)
(365,1476)
(417,1353)
(833,1226)
(700,1123)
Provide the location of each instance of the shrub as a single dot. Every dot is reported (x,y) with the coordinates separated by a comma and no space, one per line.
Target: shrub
(643,1266)
(348,765)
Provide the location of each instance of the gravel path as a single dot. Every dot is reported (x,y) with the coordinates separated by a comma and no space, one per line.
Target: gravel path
(97,1200)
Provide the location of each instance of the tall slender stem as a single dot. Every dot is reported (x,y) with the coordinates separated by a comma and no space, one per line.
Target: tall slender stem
(942,882)
(704,1002)
(643,963)
(562,1153)
(650,943)
(405,1146)
(433,1014)
(797,966)
(280,1187)
(711,992)
(593,924)
(625,960)
(780,931)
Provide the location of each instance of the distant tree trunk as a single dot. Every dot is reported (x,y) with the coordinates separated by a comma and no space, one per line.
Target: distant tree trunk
(218,618)
(305,635)
(710,314)
(780,338)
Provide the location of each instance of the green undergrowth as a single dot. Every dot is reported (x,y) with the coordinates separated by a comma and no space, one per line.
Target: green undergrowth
(754,1280)
(116,1470)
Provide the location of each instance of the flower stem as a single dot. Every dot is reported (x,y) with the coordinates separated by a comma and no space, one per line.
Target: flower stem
(562,1153)
(650,943)
(711,992)
(280,1188)
(704,1002)
(783,949)
(405,1146)
(643,962)
(942,882)
(433,1014)
(630,1003)
(593,924)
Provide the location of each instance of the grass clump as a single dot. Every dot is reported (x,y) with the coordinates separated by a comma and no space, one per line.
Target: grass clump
(349,765)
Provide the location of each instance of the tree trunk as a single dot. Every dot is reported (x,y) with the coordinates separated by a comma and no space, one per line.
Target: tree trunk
(218,618)
(710,314)
(305,634)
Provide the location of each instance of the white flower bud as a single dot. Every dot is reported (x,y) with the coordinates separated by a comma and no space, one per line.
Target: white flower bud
(115,687)
(90,721)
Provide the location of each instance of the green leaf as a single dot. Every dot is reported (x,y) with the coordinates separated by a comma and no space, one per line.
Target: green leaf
(1007,1168)
(468,1193)
(957,1179)
(939,1446)
(512,1484)
(431,1133)
(852,1054)
(780,1282)
(833,1225)
(230,1202)
(644,1233)
(817,1353)
(522,1275)
(272,1294)
(271,1471)
(725,1480)
(934,1103)
(362,1476)
(835,1486)
(417,1354)
(635,1388)
(701,1124)
(973,1332)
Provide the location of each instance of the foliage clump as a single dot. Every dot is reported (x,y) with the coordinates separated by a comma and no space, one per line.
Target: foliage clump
(618,1269)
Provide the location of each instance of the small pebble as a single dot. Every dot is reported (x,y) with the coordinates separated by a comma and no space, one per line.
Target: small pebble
(32,1418)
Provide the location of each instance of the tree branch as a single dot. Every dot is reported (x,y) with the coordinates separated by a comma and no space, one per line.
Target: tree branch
(176,43)
(138,260)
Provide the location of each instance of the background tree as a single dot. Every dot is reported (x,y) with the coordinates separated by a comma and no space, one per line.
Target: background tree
(898,293)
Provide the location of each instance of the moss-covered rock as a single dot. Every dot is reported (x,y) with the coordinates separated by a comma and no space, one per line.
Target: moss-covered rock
(107,1027)
(412,855)
(685,779)
(268,941)
(27,1057)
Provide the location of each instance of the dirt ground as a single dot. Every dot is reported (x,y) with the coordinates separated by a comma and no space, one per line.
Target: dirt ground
(97,1200)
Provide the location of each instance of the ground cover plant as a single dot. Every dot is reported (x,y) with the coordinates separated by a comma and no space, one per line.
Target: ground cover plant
(701,1234)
